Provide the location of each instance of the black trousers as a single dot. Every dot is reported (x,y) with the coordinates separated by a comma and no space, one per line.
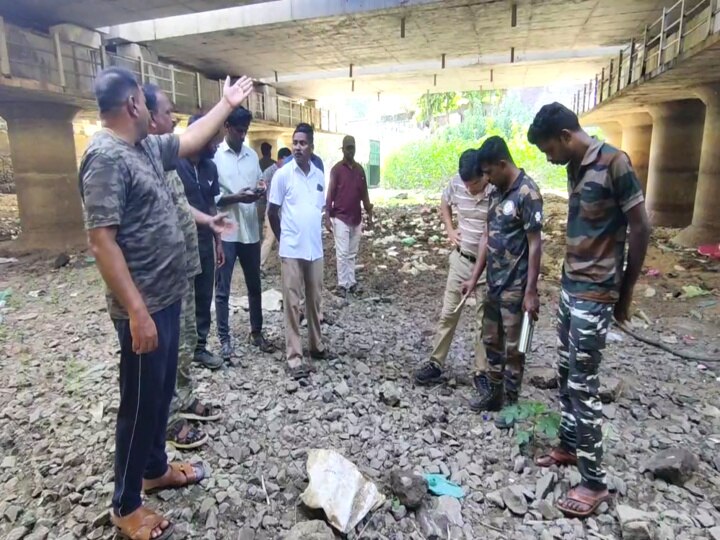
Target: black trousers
(249,257)
(147,384)
(204,289)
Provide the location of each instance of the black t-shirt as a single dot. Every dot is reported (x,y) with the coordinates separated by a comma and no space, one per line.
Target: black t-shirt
(201,187)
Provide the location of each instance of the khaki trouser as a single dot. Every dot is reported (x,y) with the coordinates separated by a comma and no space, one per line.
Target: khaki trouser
(267,243)
(460,270)
(301,277)
(184,387)
(347,244)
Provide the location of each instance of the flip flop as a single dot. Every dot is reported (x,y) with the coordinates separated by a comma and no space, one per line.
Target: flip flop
(184,474)
(591,503)
(140,524)
(557,456)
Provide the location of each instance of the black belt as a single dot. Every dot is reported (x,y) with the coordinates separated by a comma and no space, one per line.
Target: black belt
(470,258)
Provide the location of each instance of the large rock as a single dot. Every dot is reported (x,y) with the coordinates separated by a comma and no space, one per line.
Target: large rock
(339,489)
(514,499)
(443,520)
(409,487)
(389,394)
(545,485)
(674,465)
(635,524)
(310,530)
(611,388)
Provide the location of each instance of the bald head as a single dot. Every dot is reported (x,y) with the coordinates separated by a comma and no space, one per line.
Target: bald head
(348,148)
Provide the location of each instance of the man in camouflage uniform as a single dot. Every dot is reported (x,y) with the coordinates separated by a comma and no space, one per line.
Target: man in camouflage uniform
(134,234)
(605,197)
(185,406)
(512,249)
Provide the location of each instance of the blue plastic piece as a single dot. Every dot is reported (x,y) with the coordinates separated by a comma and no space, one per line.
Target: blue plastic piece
(438,484)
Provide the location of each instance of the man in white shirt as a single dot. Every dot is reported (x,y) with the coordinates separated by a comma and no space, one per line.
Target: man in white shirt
(298,194)
(240,187)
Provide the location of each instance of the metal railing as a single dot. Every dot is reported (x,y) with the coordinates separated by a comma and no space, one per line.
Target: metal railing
(64,66)
(680,27)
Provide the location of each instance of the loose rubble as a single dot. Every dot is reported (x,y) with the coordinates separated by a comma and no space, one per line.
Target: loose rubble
(59,398)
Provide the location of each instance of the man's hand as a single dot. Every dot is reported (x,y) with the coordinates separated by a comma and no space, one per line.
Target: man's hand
(219,253)
(221,225)
(143,333)
(328,223)
(454,237)
(236,93)
(247,195)
(468,285)
(531,304)
(622,308)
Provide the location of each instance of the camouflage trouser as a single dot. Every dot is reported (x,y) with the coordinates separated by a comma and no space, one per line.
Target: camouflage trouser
(582,332)
(502,322)
(184,388)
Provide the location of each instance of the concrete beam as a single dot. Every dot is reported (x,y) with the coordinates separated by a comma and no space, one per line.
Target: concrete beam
(705,227)
(42,150)
(280,11)
(612,131)
(636,137)
(674,161)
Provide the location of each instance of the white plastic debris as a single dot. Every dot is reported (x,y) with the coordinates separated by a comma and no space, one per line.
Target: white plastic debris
(339,488)
(271,301)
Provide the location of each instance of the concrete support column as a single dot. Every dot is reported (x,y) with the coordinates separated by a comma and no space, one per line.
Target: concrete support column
(674,161)
(705,227)
(636,136)
(42,149)
(613,133)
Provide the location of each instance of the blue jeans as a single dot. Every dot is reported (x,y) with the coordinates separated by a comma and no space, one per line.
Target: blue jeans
(249,257)
(147,384)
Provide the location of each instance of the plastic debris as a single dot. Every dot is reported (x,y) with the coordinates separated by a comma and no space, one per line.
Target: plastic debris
(650,292)
(692,291)
(438,484)
(409,241)
(339,488)
(8,260)
(653,272)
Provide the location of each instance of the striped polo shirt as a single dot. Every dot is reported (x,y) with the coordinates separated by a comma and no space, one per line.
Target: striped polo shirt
(471,211)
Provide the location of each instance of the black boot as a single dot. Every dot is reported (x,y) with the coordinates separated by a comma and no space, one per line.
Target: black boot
(490,394)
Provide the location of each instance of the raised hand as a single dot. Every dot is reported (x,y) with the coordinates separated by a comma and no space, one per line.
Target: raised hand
(236,93)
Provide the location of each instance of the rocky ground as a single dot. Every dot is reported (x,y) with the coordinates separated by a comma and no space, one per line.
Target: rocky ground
(58,400)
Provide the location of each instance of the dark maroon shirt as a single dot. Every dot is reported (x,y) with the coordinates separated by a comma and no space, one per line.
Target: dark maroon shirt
(348,187)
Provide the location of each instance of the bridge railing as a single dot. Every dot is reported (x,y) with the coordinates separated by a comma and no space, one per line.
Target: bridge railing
(65,66)
(679,28)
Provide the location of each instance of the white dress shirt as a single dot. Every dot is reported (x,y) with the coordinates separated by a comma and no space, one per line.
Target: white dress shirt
(237,171)
(301,199)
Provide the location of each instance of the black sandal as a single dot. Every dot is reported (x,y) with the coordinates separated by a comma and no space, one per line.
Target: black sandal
(194,438)
(207,414)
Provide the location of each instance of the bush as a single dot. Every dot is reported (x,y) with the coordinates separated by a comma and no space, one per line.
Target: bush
(423,164)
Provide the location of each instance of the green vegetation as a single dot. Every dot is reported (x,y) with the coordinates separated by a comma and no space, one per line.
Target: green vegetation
(428,164)
(541,420)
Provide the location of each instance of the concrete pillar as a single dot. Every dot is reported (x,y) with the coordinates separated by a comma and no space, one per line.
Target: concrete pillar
(636,135)
(42,149)
(705,227)
(613,133)
(674,161)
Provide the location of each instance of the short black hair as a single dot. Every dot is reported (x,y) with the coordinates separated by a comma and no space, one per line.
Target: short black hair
(307,129)
(112,88)
(239,117)
(194,118)
(494,150)
(284,152)
(265,148)
(151,96)
(550,121)
(468,165)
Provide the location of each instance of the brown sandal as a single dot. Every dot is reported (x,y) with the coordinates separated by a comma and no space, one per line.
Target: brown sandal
(181,475)
(557,456)
(140,524)
(591,503)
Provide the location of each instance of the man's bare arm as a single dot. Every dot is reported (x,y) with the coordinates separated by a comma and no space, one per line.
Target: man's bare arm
(274,218)
(638,240)
(114,270)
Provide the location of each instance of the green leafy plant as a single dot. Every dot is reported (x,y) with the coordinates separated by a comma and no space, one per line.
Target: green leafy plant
(535,418)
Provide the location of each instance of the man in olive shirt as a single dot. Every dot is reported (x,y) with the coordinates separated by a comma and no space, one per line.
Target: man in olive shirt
(139,248)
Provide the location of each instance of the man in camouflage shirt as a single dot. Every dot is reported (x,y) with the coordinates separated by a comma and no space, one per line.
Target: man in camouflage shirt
(605,197)
(134,234)
(512,249)
(184,406)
